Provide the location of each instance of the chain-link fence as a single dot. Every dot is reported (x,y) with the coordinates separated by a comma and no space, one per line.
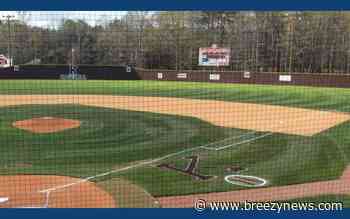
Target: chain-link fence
(136,128)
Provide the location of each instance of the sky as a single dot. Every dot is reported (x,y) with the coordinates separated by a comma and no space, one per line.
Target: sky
(54,18)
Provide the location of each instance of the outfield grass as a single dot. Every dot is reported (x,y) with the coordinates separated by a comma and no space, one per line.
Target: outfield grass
(115,138)
(299,96)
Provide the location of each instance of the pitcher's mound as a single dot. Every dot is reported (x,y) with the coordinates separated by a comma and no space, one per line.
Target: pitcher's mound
(46,124)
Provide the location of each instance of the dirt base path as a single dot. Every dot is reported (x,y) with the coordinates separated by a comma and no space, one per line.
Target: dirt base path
(335,187)
(22,191)
(257,117)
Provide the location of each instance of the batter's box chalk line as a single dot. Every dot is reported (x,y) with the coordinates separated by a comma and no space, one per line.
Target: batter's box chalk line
(26,197)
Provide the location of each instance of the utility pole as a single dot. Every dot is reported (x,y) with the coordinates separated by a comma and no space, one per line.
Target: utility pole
(73,69)
(9,44)
(291,23)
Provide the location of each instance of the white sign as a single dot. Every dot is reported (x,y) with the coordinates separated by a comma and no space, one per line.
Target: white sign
(4,62)
(160,75)
(285,78)
(214,56)
(214,77)
(246,74)
(181,75)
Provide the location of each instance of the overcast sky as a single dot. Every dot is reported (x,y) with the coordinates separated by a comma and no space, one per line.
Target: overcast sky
(54,18)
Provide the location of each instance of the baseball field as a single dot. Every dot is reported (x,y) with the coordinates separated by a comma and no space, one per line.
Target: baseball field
(166,144)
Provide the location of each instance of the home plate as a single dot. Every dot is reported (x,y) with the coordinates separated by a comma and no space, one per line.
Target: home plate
(3,199)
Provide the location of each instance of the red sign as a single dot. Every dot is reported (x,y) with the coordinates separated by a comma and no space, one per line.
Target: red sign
(214,56)
(4,62)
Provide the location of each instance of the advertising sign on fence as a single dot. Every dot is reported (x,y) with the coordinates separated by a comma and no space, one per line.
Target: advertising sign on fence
(213,56)
(4,61)
(181,75)
(160,75)
(285,78)
(214,77)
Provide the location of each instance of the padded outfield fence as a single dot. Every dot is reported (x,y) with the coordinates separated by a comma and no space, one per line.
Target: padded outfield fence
(270,78)
(54,72)
(122,73)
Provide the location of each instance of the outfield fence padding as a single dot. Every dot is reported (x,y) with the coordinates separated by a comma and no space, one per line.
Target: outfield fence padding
(53,72)
(304,79)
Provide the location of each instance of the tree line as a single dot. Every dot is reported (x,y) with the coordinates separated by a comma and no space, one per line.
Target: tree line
(259,41)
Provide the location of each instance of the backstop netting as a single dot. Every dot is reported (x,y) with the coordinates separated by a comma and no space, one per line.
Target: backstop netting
(194,109)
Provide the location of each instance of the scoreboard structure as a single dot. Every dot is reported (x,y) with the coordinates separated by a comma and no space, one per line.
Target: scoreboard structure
(214,56)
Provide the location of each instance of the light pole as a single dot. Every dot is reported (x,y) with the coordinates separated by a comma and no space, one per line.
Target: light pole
(72,60)
(73,63)
(9,45)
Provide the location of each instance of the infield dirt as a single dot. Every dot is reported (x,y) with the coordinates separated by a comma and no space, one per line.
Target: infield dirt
(23,191)
(258,117)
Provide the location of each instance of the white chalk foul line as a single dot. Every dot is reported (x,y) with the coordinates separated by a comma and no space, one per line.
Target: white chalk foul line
(117,170)
(238,143)
(143,164)
(227,139)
